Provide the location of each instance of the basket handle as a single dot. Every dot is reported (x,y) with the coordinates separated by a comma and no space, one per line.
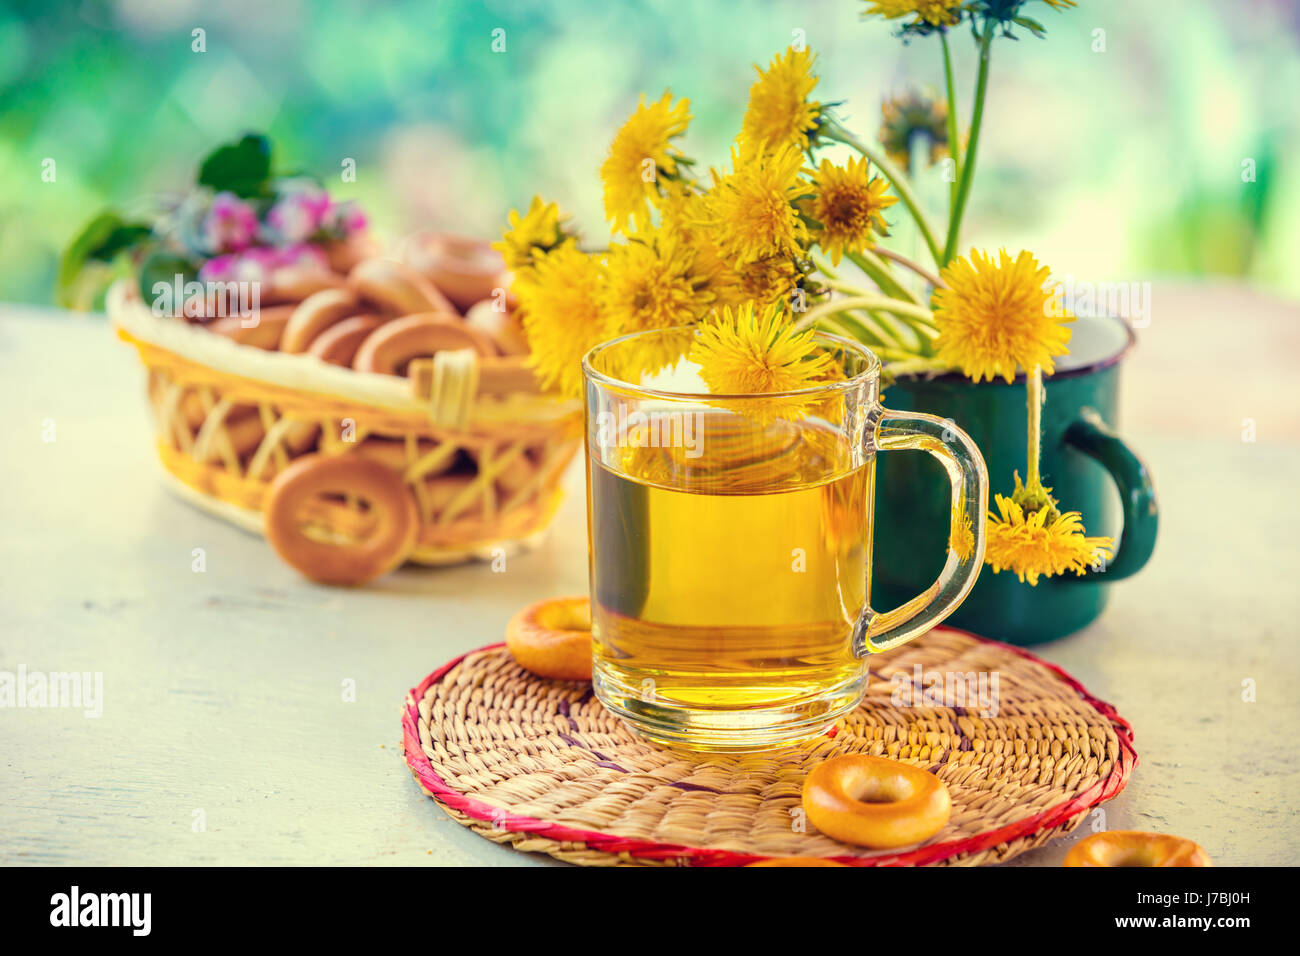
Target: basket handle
(497,375)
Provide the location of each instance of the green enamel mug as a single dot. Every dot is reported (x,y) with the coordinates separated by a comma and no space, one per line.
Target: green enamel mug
(1087,465)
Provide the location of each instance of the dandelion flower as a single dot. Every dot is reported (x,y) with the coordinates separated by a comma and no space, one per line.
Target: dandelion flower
(995,316)
(962,537)
(641,154)
(779,112)
(752,213)
(936,13)
(767,281)
(681,209)
(910,116)
(1031,538)
(653,285)
(743,352)
(562,315)
(848,207)
(537,231)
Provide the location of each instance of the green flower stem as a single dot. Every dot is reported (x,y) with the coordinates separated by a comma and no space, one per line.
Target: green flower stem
(832,130)
(968,167)
(924,336)
(907,263)
(866,327)
(882,331)
(886,330)
(878,272)
(904,310)
(916,366)
(897,356)
(1034,406)
(824,267)
(954,142)
(840,285)
(850,327)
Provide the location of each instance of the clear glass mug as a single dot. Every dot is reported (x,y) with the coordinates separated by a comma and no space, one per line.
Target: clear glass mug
(730,544)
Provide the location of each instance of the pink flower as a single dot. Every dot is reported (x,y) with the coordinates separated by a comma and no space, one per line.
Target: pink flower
(300,214)
(230,224)
(220,269)
(263,258)
(257,263)
(301,255)
(346,218)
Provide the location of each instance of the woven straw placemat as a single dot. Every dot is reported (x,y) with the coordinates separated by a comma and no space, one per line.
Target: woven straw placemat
(542,766)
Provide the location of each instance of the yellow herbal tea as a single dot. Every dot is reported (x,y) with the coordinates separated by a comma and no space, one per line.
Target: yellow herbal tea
(730,543)
(733,582)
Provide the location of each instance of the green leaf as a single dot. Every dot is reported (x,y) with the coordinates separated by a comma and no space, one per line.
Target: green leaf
(102,240)
(1029,23)
(242,168)
(164,267)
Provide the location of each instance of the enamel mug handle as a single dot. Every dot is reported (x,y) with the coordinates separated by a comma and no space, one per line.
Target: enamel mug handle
(961,459)
(1137,494)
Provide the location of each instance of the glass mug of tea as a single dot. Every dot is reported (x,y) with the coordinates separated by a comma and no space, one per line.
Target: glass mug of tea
(730,544)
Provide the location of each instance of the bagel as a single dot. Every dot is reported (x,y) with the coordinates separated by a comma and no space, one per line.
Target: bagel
(265,333)
(316,313)
(1135,848)
(513,476)
(392,453)
(503,327)
(295,283)
(553,638)
(344,254)
(389,348)
(301,436)
(396,288)
(442,490)
(191,406)
(465,270)
(395,523)
(875,802)
(338,344)
(243,427)
(506,281)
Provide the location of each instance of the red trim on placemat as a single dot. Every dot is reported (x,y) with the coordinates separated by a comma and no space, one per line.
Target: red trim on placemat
(436,787)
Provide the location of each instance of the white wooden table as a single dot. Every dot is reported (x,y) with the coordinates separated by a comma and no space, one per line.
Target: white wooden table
(226,736)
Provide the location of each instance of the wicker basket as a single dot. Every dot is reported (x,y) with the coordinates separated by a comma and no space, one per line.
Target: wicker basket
(230,417)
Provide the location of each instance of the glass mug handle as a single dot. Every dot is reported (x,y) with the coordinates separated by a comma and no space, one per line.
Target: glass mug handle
(961,459)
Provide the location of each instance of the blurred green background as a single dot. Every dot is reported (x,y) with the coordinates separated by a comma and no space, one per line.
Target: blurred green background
(1115,155)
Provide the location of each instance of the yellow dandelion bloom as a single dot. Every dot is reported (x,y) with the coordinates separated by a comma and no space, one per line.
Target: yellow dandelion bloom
(1044,543)
(562,315)
(640,156)
(684,217)
(752,213)
(745,352)
(653,285)
(848,207)
(961,539)
(911,116)
(762,282)
(768,281)
(934,12)
(538,230)
(995,316)
(681,209)
(779,111)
